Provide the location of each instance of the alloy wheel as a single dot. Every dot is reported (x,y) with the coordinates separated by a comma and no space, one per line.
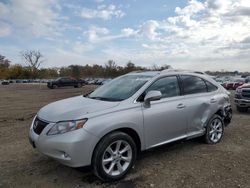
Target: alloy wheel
(117,158)
(215,132)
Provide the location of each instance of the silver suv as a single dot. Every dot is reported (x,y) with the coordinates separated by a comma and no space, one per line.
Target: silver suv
(134,112)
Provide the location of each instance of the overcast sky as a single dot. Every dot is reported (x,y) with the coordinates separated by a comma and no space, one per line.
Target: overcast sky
(200,35)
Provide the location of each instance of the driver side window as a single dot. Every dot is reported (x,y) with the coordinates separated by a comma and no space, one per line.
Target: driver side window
(168,86)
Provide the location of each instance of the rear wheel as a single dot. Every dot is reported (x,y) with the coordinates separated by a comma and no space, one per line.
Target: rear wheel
(214,130)
(242,109)
(114,156)
(53,86)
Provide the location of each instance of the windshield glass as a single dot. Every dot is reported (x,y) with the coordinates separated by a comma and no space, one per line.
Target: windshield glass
(120,88)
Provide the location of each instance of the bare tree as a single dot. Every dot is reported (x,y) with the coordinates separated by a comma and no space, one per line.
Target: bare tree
(4,63)
(160,68)
(111,64)
(33,59)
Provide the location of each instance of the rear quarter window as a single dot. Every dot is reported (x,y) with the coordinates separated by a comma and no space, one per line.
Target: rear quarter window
(211,87)
(193,84)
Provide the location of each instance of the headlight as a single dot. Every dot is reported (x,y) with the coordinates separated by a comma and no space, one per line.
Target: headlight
(66,126)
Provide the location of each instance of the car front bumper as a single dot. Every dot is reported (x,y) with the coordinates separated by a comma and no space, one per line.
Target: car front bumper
(242,102)
(73,148)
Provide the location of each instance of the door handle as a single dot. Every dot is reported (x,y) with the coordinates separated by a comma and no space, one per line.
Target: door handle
(180,106)
(213,100)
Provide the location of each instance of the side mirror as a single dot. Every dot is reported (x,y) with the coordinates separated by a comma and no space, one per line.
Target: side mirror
(152,96)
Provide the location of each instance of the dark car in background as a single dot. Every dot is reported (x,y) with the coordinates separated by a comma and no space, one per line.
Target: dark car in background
(65,81)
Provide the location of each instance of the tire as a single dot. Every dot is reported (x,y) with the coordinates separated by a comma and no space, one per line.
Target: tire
(242,109)
(78,85)
(107,149)
(214,130)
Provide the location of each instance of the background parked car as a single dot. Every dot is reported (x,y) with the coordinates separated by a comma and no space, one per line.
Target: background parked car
(96,81)
(5,82)
(106,81)
(65,81)
(234,84)
(92,81)
(12,81)
(242,98)
(99,81)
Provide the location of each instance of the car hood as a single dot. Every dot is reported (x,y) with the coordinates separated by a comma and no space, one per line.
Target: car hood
(73,108)
(246,85)
(52,81)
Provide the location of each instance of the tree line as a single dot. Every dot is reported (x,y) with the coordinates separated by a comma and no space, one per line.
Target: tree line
(34,59)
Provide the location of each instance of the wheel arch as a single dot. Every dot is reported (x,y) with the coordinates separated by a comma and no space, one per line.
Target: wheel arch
(220,113)
(131,132)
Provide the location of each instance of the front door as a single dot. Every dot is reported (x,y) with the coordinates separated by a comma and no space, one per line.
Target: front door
(165,119)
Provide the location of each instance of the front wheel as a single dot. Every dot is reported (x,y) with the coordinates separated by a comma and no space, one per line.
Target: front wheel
(114,156)
(214,130)
(53,86)
(79,85)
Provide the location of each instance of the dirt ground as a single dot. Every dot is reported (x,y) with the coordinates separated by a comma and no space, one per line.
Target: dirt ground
(182,164)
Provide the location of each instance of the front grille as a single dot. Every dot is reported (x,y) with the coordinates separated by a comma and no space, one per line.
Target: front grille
(246,93)
(39,125)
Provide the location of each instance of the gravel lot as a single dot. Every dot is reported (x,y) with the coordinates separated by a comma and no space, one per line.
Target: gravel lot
(182,164)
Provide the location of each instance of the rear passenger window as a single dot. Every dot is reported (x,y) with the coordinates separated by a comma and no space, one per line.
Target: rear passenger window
(193,84)
(168,86)
(210,87)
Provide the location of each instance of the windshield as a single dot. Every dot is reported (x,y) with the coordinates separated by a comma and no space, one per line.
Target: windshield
(58,79)
(120,88)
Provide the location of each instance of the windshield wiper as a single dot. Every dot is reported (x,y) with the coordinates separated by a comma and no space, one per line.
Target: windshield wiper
(87,94)
(105,99)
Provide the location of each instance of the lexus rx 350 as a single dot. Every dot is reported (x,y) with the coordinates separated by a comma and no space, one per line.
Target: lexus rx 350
(134,112)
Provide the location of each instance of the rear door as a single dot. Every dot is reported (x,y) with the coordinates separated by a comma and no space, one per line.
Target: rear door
(72,82)
(165,120)
(201,99)
(67,81)
(63,82)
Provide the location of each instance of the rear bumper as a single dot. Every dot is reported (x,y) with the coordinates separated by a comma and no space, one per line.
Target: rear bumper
(72,149)
(242,102)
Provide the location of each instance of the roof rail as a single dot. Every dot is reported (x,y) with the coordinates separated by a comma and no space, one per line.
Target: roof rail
(173,70)
(182,70)
(137,71)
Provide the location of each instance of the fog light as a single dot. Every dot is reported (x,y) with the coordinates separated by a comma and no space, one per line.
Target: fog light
(65,155)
